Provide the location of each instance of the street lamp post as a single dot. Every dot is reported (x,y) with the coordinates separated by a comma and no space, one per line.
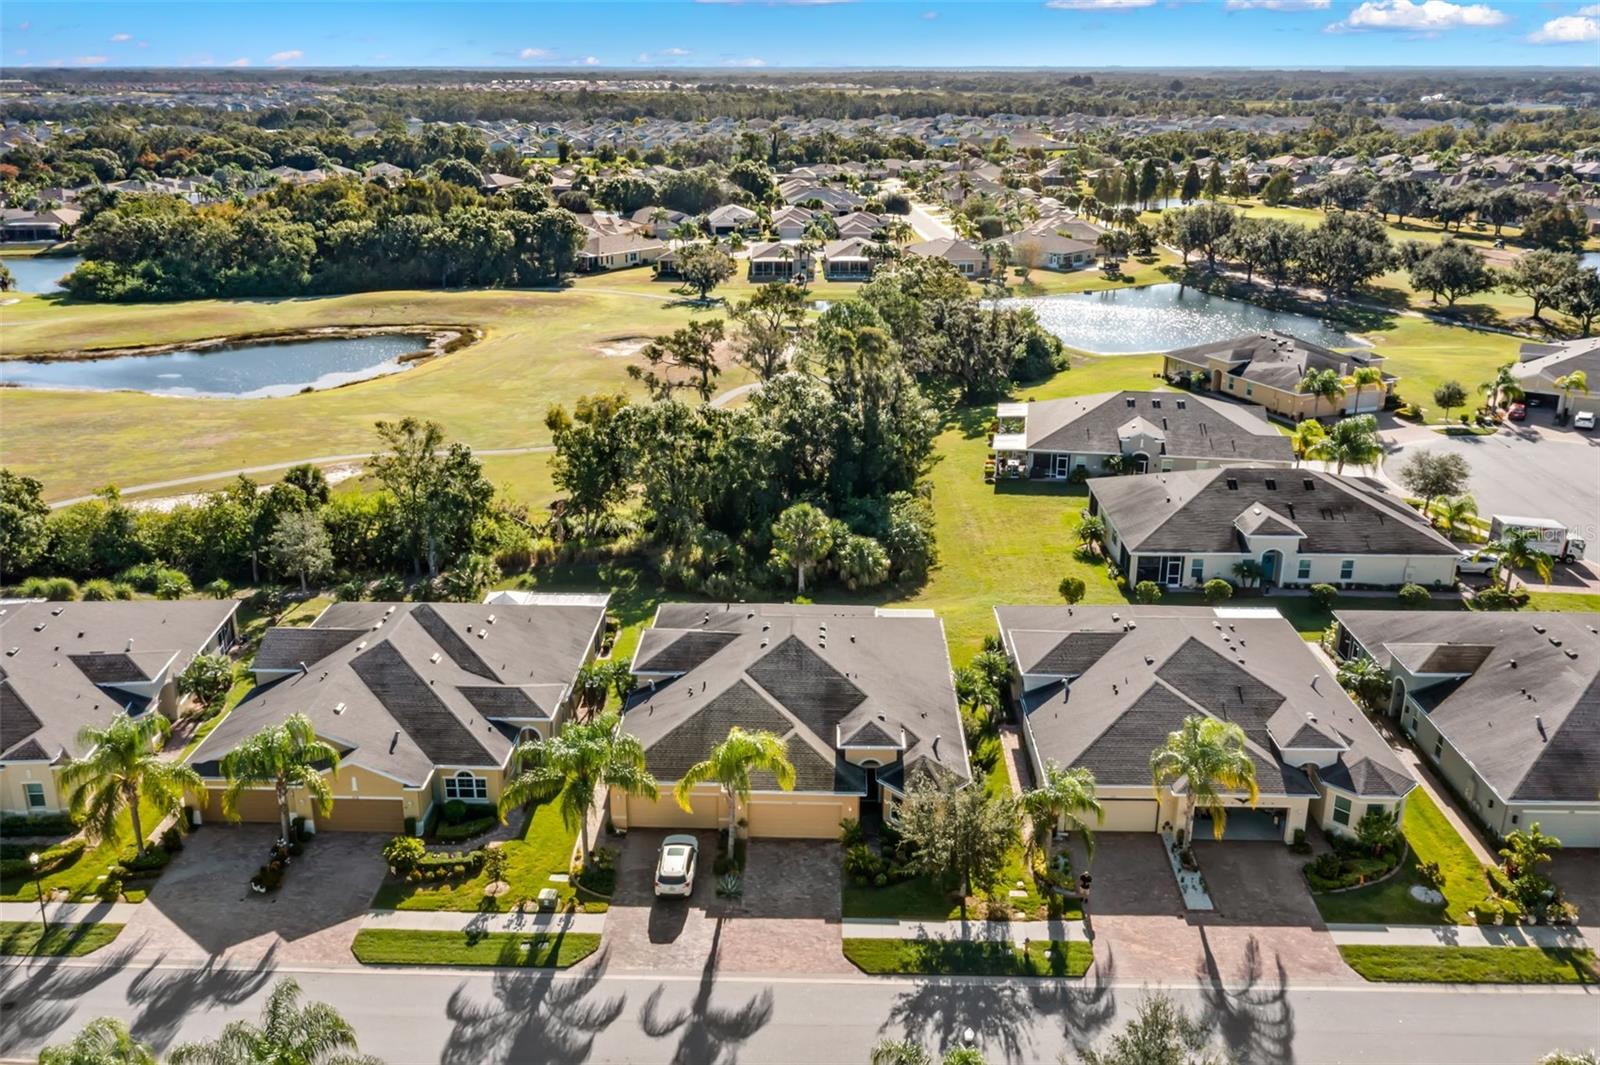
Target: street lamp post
(38,887)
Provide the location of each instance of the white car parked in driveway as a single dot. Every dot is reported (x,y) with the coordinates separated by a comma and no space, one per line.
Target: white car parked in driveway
(675,866)
(1475,563)
(1583,420)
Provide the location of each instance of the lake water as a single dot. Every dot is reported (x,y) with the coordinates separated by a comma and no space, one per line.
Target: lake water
(1162,317)
(1589,260)
(40,273)
(244,371)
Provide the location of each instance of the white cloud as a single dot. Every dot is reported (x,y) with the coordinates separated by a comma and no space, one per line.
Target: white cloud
(89,60)
(588,61)
(242,61)
(20,52)
(930,15)
(1428,16)
(1278,5)
(286,57)
(749,61)
(120,37)
(1591,11)
(673,52)
(535,53)
(1568,29)
(1098,5)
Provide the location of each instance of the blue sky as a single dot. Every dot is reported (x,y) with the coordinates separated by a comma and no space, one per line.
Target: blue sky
(626,34)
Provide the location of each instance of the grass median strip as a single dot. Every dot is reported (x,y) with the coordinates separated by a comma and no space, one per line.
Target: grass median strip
(540,950)
(1472,965)
(939,957)
(26,938)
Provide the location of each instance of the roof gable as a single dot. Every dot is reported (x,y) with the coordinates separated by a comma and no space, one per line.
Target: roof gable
(806,685)
(416,707)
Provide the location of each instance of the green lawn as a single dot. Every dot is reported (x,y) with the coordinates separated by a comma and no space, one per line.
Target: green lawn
(399,946)
(80,877)
(64,941)
(937,957)
(1432,839)
(545,848)
(1472,965)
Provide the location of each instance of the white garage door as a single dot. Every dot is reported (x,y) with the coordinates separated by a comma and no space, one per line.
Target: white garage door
(1573,829)
(1367,402)
(1127,815)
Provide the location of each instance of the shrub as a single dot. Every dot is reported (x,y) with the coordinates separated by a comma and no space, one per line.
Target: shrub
(153,860)
(268,877)
(1414,596)
(1498,599)
(1072,589)
(403,853)
(1300,845)
(55,589)
(50,859)
(1430,874)
(218,589)
(1147,592)
(1324,595)
(465,830)
(98,590)
(172,839)
(881,880)
(1326,865)
(37,825)
(110,890)
(860,863)
(850,833)
(1217,590)
(411,826)
(455,811)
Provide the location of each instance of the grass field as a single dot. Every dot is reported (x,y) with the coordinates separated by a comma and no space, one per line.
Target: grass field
(81,877)
(1432,839)
(27,939)
(935,957)
(1472,965)
(399,946)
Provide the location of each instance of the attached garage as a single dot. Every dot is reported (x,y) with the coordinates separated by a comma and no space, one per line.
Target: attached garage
(255,805)
(1574,828)
(363,815)
(798,817)
(664,811)
(1127,815)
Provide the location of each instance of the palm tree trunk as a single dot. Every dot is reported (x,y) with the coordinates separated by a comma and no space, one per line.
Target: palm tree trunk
(801,571)
(132,791)
(733,820)
(283,809)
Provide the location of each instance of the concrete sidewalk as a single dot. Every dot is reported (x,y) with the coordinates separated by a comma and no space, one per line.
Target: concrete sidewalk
(70,912)
(1455,935)
(990,931)
(456,921)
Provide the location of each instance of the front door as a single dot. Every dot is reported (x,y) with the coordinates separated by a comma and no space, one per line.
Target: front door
(1174,572)
(1063,465)
(1271,563)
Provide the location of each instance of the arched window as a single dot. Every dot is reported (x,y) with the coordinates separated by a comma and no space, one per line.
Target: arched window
(466,787)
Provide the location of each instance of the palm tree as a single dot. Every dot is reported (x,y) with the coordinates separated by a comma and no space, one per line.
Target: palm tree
(124,761)
(1248,570)
(284,756)
(289,1034)
(1092,532)
(1305,438)
(1364,376)
(1065,795)
(1455,512)
(103,1041)
(1208,757)
(802,537)
(1574,383)
(1350,440)
(1518,549)
(899,1052)
(730,765)
(1503,386)
(573,763)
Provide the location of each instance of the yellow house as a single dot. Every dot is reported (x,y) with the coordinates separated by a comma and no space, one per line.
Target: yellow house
(863,698)
(1266,369)
(425,702)
(68,665)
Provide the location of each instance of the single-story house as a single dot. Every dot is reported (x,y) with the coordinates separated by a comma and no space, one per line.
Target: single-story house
(730,218)
(1266,368)
(1541,365)
(858,224)
(1505,706)
(499,182)
(1300,527)
(611,251)
(1053,438)
(964,255)
(776,261)
(863,698)
(658,220)
(791,223)
(848,260)
(1049,251)
(19,225)
(424,702)
(1102,687)
(68,665)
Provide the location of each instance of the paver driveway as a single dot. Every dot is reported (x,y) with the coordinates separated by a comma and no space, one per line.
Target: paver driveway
(202,907)
(786,921)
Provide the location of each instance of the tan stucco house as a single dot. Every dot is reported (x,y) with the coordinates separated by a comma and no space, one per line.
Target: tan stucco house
(424,702)
(1102,688)
(1266,368)
(863,697)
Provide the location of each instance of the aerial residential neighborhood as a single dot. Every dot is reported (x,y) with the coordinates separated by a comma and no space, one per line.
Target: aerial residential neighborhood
(939,534)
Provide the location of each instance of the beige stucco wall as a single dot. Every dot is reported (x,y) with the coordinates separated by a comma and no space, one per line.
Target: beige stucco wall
(799,816)
(633,811)
(1320,810)
(13,776)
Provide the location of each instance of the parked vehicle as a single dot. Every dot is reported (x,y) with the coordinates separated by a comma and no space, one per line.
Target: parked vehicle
(1518,412)
(1554,538)
(1583,420)
(675,866)
(1477,563)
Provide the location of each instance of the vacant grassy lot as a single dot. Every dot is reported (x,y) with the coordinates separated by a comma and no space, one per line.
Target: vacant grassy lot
(937,957)
(1472,965)
(399,946)
(1432,839)
(27,938)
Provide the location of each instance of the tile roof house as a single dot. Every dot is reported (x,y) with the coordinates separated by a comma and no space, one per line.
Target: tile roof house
(1505,706)
(68,665)
(1266,368)
(424,701)
(863,698)
(1102,687)
(1300,527)
(1053,438)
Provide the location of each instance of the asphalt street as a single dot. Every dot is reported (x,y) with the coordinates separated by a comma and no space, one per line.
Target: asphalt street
(470,1017)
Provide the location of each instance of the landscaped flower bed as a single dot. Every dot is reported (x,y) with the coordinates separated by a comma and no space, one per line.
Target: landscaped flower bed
(283,853)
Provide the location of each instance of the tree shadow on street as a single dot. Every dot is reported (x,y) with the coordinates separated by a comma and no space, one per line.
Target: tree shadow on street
(531,1017)
(706,1034)
(1249,1010)
(38,998)
(165,998)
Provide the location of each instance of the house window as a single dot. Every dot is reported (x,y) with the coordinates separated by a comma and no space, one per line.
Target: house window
(1197,570)
(1341,810)
(1347,569)
(465,786)
(34,794)
(1515,817)
(1438,749)
(1305,569)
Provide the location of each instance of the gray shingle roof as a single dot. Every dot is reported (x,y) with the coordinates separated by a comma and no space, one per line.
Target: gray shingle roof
(1191,426)
(411,701)
(1276,359)
(287,648)
(672,651)
(17,720)
(806,685)
(110,668)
